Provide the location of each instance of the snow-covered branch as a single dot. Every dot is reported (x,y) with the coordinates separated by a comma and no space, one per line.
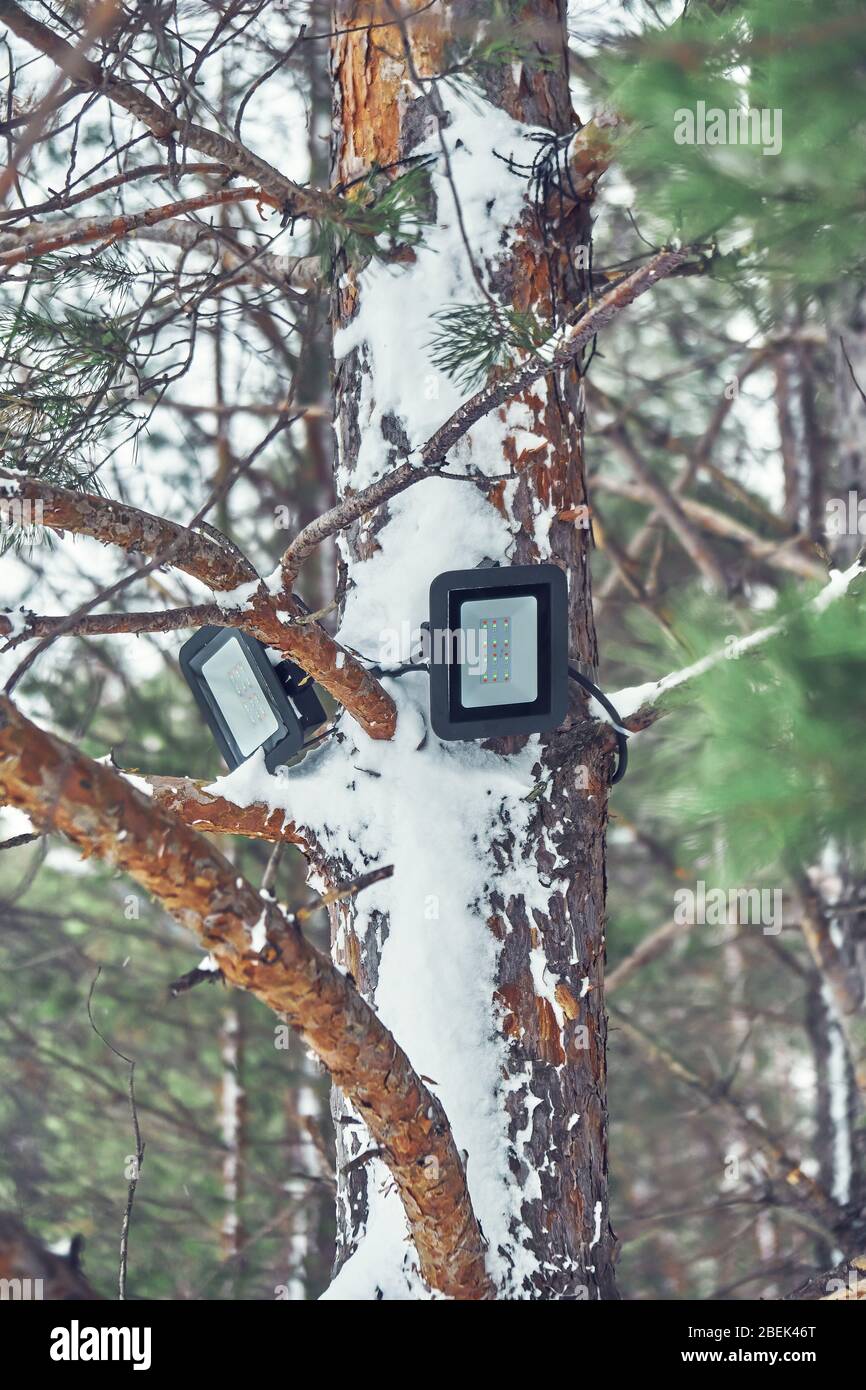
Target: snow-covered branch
(641,705)
(192,803)
(558,351)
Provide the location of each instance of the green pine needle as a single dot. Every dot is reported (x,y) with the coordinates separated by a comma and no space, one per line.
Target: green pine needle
(63,376)
(471,340)
(381,214)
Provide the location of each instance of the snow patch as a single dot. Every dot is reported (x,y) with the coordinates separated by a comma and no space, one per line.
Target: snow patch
(19,620)
(239,598)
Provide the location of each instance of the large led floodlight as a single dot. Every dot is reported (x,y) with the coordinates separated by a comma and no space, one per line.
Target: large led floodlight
(247,702)
(498,651)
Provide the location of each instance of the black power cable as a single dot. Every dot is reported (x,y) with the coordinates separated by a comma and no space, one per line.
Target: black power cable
(621,734)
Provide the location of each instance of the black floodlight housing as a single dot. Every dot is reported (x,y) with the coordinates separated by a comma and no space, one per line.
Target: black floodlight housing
(498,646)
(249,703)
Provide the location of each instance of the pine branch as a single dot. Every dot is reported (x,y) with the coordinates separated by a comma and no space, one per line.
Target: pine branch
(556,352)
(131,529)
(102,814)
(41,240)
(104,624)
(471,340)
(63,383)
(640,706)
(276,618)
(380,216)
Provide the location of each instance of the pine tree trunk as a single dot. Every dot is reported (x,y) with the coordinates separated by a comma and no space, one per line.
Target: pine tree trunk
(490,949)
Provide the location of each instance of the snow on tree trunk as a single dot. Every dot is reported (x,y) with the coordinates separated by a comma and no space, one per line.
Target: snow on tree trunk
(484,953)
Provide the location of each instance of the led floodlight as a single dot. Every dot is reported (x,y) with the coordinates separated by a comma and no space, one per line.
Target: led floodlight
(247,702)
(498,651)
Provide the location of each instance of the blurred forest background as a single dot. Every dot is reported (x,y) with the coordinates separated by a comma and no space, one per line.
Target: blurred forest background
(723,414)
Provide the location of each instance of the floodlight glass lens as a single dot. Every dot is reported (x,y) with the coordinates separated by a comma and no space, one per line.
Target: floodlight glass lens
(498,651)
(236,690)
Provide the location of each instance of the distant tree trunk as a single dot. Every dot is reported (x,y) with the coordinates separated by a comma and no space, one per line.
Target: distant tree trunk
(788,441)
(538,1172)
(302,1105)
(846,332)
(232,1123)
(831,1135)
(846,888)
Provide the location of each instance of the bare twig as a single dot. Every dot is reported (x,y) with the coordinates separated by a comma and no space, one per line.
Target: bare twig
(100,19)
(671,510)
(167,125)
(16,841)
(794,1182)
(193,977)
(59,201)
(137,1157)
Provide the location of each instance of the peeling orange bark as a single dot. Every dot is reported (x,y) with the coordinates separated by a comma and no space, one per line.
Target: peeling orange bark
(115,523)
(188,800)
(282,623)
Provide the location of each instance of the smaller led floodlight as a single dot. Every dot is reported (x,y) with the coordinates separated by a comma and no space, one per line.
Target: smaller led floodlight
(498,651)
(247,702)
